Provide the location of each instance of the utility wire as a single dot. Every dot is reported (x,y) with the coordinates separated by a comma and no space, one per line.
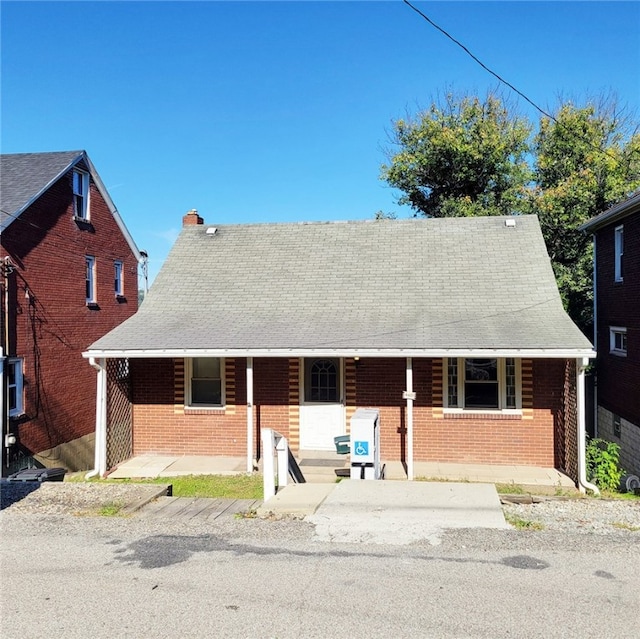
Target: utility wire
(505,82)
(476,59)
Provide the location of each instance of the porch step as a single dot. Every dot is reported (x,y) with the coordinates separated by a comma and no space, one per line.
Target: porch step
(322,467)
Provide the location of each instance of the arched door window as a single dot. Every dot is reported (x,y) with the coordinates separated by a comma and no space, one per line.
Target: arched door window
(322,380)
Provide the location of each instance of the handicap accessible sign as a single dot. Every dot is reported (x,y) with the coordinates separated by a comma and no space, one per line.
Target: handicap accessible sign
(361,448)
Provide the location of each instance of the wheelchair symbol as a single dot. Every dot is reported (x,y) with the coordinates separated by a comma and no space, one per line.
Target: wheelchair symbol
(361,448)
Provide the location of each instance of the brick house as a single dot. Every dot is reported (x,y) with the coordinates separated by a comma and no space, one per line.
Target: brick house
(69,275)
(617,327)
(295,326)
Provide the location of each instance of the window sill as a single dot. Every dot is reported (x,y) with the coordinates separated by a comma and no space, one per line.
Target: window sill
(204,410)
(121,299)
(618,353)
(93,306)
(83,223)
(461,413)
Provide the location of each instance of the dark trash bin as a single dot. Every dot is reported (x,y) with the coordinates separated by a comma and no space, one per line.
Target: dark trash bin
(39,474)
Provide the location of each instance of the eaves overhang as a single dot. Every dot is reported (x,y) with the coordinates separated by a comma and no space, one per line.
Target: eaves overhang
(614,214)
(528,353)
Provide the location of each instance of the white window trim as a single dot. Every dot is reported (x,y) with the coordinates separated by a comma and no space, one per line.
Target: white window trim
(502,389)
(83,192)
(188,373)
(90,276)
(619,253)
(613,332)
(118,278)
(18,364)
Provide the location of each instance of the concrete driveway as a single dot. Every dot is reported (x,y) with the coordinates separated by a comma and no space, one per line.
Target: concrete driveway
(390,512)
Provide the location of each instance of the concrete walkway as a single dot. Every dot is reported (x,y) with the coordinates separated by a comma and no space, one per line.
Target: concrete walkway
(171,466)
(400,513)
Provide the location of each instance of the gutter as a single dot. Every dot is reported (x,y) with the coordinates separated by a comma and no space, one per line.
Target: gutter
(583,484)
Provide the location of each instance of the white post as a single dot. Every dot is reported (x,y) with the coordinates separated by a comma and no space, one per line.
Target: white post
(409,395)
(101,419)
(268,472)
(282,448)
(250,416)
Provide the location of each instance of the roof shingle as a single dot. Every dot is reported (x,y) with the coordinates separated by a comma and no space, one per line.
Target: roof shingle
(418,285)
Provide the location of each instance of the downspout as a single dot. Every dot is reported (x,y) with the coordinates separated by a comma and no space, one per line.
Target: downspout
(583,484)
(100,461)
(409,395)
(595,341)
(250,415)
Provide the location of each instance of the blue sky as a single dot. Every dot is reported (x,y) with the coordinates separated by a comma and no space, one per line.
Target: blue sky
(278,111)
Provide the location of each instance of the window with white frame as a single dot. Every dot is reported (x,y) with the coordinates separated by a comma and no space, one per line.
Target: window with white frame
(618,340)
(483,383)
(205,386)
(15,387)
(81,194)
(118,278)
(90,279)
(619,253)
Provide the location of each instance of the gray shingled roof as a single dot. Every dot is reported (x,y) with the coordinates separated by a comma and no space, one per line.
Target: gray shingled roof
(25,176)
(416,286)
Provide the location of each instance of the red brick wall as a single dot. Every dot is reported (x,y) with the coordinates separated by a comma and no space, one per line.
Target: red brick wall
(534,438)
(619,305)
(51,324)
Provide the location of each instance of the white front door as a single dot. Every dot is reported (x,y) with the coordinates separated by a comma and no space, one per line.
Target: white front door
(322,415)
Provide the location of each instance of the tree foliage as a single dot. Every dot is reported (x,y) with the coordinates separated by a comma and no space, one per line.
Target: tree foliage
(464,158)
(473,157)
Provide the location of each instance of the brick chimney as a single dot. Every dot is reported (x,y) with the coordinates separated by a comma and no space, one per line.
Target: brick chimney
(191,218)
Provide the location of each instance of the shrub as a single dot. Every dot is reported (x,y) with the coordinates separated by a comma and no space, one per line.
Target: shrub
(603,464)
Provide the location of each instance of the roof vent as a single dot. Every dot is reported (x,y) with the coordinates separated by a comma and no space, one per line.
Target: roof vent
(211,230)
(510,222)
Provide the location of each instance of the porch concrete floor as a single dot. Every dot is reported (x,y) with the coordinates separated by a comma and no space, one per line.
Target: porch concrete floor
(172,466)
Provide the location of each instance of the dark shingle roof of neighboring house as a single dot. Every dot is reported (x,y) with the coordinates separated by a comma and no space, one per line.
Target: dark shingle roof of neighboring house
(24,177)
(391,287)
(614,213)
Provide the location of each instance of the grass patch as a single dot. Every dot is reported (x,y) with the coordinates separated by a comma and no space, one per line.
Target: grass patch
(621,525)
(511,489)
(110,509)
(607,494)
(523,524)
(461,480)
(224,486)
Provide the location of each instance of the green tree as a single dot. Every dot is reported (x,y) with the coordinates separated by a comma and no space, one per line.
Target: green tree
(586,159)
(469,157)
(466,157)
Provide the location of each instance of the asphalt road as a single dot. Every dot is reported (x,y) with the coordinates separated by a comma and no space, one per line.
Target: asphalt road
(112,577)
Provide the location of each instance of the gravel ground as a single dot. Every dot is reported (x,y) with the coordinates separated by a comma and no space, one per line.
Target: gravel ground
(586,515)
(70,498)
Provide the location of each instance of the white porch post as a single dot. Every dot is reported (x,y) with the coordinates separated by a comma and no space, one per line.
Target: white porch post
(100,462)
(250,415)
(409,396)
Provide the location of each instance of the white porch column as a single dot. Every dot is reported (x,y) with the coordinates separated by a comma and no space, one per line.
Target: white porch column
(409,396)
(250,415)
(581,364)
(100,463)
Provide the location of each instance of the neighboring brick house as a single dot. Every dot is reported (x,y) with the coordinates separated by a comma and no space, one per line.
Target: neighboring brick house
(70,275)
(295,326)
(617,327)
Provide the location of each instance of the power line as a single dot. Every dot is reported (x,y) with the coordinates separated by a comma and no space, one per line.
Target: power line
(482,64)
(505,82)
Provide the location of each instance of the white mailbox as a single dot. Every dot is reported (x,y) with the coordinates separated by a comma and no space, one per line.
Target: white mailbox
(365,444)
